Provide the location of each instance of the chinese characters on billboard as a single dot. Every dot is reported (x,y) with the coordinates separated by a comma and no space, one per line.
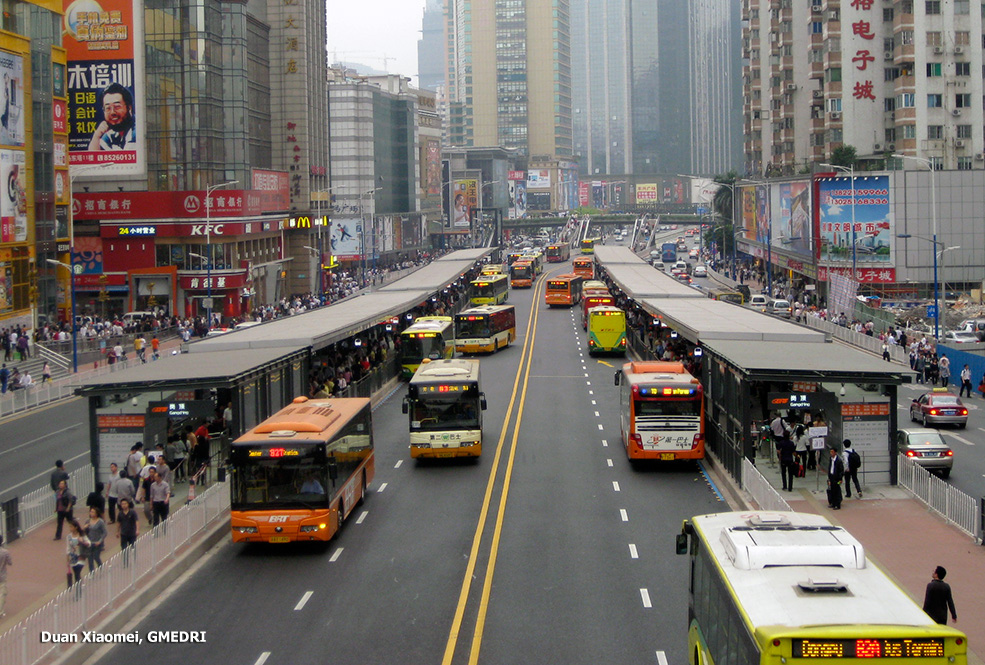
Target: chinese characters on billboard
(105,85)
(12,99)
(792,229)
(464,199)
(518,199)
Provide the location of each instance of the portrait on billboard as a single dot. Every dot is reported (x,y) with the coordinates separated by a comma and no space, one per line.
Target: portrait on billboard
(11,99)
(13,200)
(117,128)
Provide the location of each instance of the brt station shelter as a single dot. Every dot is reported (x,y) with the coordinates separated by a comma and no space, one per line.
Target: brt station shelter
(753,366)
(257,370)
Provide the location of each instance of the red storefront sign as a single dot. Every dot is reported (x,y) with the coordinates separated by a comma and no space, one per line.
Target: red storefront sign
(99,281)
(165,205)
(863,275)
(226,280)
(517,175)
(184,230)
(274,189)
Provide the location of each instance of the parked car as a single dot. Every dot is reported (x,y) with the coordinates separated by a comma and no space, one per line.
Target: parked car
(927,448)
(960,337)
(684,277)
(939,407)
(659,265)
(700,271)
(759,301)
(780,307)
(976,326)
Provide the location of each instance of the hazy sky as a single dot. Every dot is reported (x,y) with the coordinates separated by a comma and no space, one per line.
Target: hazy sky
(365,31)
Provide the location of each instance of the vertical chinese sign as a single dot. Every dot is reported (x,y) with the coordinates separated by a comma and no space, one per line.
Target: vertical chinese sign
(104,44)
(864,44)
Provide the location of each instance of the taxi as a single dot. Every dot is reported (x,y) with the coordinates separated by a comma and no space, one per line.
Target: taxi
(939,407)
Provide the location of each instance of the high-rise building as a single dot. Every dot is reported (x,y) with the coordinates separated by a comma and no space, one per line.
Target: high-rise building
(890,77)
(508,75)
(430,48)
(655,86)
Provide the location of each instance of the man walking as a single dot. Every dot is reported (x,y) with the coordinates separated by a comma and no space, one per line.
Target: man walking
(160,497)
(853,462)
(944,368)
(965,381)
(937,600)
(836,471)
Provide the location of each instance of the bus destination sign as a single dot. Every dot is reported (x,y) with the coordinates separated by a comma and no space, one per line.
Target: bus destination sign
(868,648)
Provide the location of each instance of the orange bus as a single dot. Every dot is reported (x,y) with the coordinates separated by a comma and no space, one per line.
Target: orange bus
(558,253)
(584,266)
(590,300)
(297,475)
(563,290)
(661,412)
(522,274)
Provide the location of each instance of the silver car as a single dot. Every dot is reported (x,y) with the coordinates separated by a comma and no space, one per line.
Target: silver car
(927,448)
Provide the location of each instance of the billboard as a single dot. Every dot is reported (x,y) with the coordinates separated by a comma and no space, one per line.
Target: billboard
(539,201)
(273,188)
(106,85)
(870,241)
(646,193)
(431,167)
(538,179)
(791,223)
(13,200)
(464,199)
(518,199)
(584,193)
(12,99)
(345,238)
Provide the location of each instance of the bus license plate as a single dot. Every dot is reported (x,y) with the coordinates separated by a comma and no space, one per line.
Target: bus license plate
(667,456)
(279,539)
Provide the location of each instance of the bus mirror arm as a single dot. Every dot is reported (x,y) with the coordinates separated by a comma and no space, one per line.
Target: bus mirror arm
(482,401)
(333,470)
(616,377)
(681,542)
(404,406)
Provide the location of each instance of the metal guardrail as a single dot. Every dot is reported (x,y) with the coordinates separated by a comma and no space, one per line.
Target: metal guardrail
(760,489)
(958,508)
(865,342)
(38,506)
(74,609)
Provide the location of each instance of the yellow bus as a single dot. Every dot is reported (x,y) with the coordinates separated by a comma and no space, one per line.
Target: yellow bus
(430,337)
(606,330)
(485,329)
(768,588)
(445,403)
(727,295)
(490,290)
(297,475)
(492,269)
(588,246)
(537,259)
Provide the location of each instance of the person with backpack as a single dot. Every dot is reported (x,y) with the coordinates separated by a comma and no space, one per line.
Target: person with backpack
(853,462)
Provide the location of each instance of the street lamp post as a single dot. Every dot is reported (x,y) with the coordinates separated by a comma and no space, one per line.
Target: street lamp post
(850,170)
(362,232)
(71,289)
(208,243)
(933,216)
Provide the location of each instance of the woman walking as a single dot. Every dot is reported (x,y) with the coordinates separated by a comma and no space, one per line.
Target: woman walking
(96,532)
(77,550)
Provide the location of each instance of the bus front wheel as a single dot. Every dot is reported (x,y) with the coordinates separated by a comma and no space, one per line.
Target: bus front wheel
(339,518)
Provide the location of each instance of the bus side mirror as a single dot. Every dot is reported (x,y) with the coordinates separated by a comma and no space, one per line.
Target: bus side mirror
(482,401)
(333,469)
(681,542)
(616,378)
(404,406)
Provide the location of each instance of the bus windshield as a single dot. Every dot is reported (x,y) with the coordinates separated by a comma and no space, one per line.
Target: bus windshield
(423,345)
(472,326)
(296,481)
(523,270)
(449,411)
(676,407)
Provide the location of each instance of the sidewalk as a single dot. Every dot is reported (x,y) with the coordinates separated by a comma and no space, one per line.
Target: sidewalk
(907,540)
(40,564)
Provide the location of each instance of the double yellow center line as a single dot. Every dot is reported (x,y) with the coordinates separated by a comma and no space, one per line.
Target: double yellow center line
(519,387)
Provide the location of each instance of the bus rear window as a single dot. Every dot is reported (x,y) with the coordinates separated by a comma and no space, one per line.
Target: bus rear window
(668,407)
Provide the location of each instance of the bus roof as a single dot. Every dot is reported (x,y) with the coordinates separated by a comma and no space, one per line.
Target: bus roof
(451,369)
(604,309)
(567,277)
(489,277)
(807,572)
(428,323)
(317,419)
(483,310)
(583,259)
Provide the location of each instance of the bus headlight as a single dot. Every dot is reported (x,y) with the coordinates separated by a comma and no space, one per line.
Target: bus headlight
(245,529)
(308,528)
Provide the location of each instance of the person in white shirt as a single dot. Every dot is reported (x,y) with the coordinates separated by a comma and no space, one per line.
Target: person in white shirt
(26,381)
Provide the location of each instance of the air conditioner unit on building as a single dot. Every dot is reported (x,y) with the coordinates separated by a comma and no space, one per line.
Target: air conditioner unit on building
(979,157)
(817,94)
(938,50)
(816,8)
(888,55)
(956,112)
(791,87)
(891,147)
(959,50)
(836,115)
(877,147)
(959,143)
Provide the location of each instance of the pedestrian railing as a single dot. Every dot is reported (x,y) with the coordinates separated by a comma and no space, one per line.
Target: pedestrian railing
(868,343)
(76,608)
(38,506)
(958,508)
(760,489)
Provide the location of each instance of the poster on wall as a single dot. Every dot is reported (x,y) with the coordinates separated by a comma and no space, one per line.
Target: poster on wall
(13,201)
(105,84)
(646,193)
(584,193)
(538,179)
(344,238)
(464,199)
(747,201)
(870,242)
(6,287)
(11,99)
(432,167)
(792,217)
(518,199)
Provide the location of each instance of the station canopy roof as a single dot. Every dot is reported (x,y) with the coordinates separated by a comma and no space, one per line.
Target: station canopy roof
(700,320)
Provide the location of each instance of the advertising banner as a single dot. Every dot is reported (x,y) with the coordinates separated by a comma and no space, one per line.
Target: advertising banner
(673,191)
(106,85)
(746,200)
(600,194)
(792,226)
(164,205)
(538,179)
(464,199)
(6,287)
(13,201)
(646,193)
(273,188)
(12,99)
(345,239)
(539,201)
(518,199)
(584,194)
(870,242)
(431,167)
(517,175)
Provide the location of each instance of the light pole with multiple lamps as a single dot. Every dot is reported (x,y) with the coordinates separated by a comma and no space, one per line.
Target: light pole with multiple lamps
(208,242)
(850,170)
(933,216)
(71,289)
(362,232)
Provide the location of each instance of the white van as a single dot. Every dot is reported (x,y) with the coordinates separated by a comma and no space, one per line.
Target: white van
(780,307)
(131,318)
(759,301)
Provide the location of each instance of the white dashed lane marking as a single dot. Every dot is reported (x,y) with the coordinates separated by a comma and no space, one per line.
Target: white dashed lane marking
(304,599)
(623,515)
(645,595)
(335,555)
(633,554)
